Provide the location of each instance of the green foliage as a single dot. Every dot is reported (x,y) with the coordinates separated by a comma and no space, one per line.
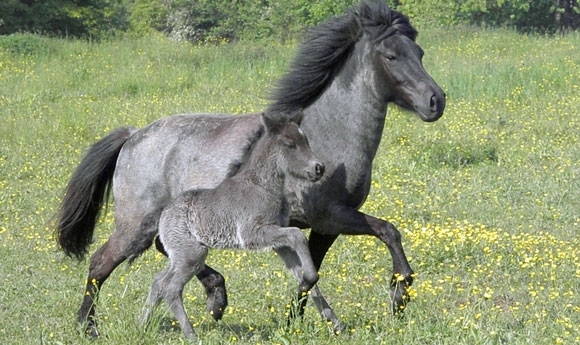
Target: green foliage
(218,20)
(524,15)
(89,18)
(429,13)
(146,16)
(205,20)
(23,44)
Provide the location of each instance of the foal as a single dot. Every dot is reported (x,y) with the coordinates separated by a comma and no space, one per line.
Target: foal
(248,210)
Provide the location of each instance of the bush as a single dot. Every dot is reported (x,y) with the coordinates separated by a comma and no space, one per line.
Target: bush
(211,20)
(94,18)
(523,15)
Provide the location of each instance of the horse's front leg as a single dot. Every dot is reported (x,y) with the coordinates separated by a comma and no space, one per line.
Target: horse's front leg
(348,221)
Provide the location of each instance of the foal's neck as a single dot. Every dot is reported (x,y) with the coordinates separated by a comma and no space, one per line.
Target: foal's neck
(262,169)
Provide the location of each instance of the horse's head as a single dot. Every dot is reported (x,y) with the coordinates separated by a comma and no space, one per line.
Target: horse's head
(399,75)
(293,152)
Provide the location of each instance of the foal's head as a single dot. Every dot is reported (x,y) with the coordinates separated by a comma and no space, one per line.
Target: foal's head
(293,152)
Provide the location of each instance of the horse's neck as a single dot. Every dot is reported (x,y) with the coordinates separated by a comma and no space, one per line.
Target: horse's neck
(346,123)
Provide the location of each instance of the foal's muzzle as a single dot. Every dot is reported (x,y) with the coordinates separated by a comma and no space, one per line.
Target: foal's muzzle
(316,172)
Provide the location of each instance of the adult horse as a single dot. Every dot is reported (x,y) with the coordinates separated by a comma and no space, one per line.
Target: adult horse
(344,75)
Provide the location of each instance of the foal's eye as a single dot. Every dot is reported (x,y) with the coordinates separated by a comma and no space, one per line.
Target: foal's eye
(289,144)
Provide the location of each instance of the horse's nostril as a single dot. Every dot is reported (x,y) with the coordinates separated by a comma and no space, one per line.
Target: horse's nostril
(433,102)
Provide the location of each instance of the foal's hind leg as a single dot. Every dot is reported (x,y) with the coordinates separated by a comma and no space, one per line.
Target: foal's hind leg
(154,298)
(187,259)
(215,289)
(214,284)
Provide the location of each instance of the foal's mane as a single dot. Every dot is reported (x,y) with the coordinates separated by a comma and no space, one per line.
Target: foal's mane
(236,165)
(328,46)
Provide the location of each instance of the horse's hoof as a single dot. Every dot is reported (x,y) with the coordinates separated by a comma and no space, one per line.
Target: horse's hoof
(399,298)
(217,313)
(217,302)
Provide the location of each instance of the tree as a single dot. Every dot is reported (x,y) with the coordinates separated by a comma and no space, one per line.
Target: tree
(62,17)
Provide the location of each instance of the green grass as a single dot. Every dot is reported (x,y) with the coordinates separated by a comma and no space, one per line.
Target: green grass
(486,198)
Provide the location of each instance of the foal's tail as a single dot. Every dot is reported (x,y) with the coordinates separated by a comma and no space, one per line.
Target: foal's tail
(87,191)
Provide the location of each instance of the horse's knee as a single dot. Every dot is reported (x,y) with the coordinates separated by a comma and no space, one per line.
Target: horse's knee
(393,235)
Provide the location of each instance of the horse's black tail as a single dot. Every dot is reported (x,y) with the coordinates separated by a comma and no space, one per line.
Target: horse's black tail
(87,191)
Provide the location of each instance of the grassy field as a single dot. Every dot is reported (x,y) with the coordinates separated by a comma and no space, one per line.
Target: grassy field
(486,198)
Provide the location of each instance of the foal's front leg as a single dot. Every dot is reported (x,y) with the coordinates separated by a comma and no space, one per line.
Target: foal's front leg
(292,247)
(298,260)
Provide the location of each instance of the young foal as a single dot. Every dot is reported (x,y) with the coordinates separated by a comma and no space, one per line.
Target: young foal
(248,210)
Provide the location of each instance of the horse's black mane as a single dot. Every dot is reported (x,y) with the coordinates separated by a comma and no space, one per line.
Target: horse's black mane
(327,47)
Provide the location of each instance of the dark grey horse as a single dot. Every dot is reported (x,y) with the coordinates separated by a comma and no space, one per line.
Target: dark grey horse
(344,75)
(248,210)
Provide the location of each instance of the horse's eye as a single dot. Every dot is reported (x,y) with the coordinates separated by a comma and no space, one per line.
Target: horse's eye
(390,57)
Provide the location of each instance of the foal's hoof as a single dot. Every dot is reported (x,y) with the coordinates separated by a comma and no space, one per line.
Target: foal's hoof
(91,331)
(217,302)
(338,327)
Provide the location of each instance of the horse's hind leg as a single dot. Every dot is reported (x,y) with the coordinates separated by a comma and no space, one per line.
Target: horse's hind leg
(215,289)
(102,263)
(120,246)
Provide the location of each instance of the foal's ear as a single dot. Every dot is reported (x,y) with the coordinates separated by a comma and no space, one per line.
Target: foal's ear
(296,116)
(273,122)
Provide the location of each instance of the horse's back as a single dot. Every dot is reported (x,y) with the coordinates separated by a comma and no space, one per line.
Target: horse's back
(177,153)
